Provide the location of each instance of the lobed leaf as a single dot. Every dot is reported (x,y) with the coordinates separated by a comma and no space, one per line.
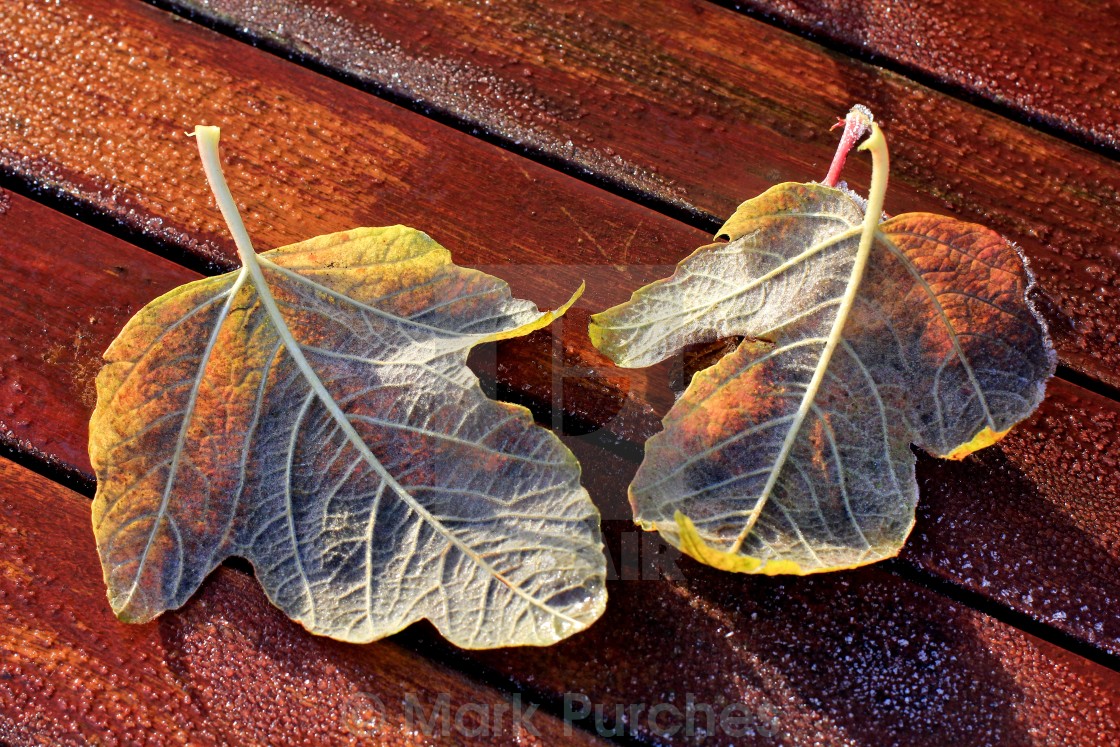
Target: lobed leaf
(393,490)
(791,454)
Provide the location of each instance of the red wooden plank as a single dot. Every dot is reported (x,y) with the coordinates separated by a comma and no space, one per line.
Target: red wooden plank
(1034,523)
(702,108)
(227,669)
(67,306)
(996,517)
(69,290)
(1048,62)
(1024,656)
(842,658)
(858,657)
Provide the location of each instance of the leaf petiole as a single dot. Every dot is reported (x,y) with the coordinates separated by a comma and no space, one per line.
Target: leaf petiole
(207,137)
(880,171)
(856,124)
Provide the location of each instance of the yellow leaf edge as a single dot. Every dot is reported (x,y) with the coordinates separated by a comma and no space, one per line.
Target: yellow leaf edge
(981,440)
(545,319)
(694,546)
(429,252)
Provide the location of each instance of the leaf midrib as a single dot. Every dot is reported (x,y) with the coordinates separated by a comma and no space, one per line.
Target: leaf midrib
(868,230)
(295,350)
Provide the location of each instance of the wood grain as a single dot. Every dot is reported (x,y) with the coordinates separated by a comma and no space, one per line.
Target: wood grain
(1047,62)
(100,120)
(846,658)
(1031,523)
(850,657)
(226,669)
(699,107)
(841,658)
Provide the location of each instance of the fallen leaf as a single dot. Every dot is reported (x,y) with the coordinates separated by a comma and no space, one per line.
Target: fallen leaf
(792,453)
(313,413)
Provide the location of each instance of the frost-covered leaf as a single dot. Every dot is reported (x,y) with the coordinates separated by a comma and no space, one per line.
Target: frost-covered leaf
(792,454)
(363,472)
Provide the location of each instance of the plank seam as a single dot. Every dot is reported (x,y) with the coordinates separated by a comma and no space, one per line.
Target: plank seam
(676,209)
(54,198)
(1087,382)
(1038,122)
(26,455)
(988,606)
(33,460)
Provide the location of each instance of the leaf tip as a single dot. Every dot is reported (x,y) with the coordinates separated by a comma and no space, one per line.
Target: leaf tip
(130,613)
(542,321)
(595,332)
(575,297)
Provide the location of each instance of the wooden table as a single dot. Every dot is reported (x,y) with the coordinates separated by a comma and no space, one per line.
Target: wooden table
(549,142)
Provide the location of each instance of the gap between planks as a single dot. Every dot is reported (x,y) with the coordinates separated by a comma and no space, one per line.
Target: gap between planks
(681,211)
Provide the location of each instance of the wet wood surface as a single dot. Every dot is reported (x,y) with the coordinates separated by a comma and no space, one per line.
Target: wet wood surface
(1027,530)
(699,108)
(229,668)
(1045,497)
(1018,500)
(1042,62)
